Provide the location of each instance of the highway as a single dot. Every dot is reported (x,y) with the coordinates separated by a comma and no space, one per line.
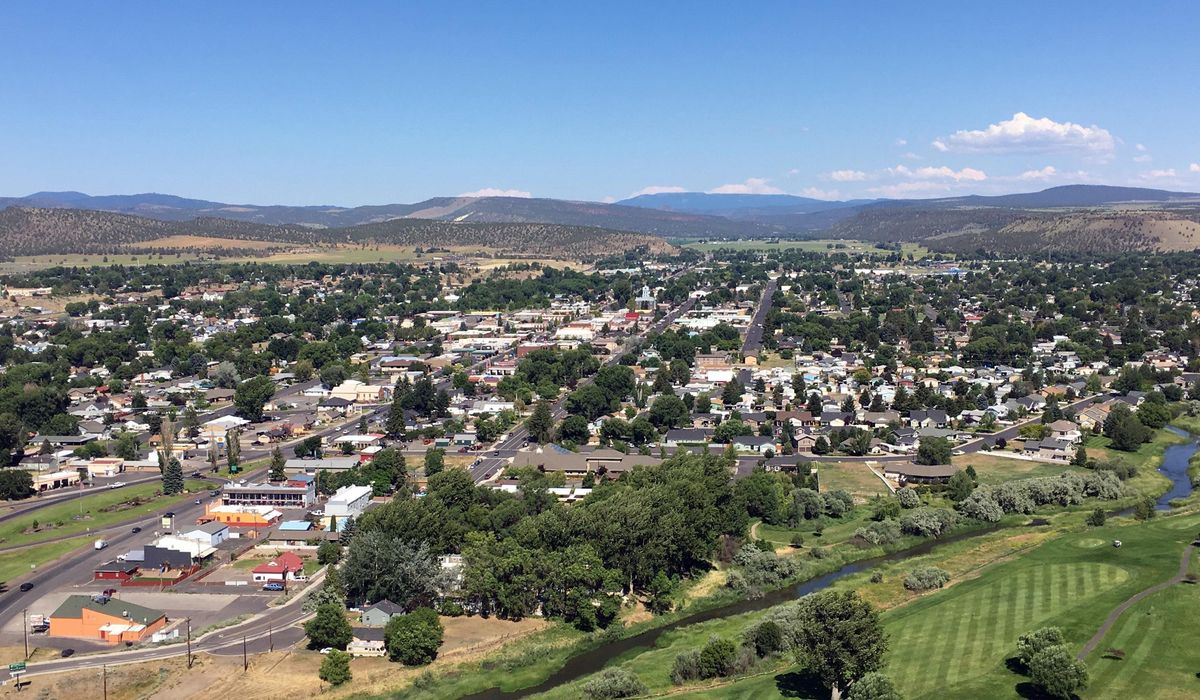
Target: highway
(754,333)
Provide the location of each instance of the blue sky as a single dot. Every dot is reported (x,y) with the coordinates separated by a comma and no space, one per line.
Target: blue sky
(356,103)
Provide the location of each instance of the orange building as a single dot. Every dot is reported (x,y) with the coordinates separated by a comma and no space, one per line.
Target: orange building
(113,621)
(241,516)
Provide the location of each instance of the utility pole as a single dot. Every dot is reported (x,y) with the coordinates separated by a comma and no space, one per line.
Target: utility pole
(189,642)
(271,637)
(104,678)
(245,661)
(25,630)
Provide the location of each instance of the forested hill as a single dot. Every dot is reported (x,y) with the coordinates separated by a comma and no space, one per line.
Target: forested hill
(37,231)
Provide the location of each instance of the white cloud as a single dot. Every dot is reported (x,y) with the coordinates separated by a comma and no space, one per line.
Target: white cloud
(658,189)
(901,142)
(496,192)
(794,171)
(1140,147)
(1194,168)
(909,189)
(818,193)
(1159,174)
(939,173)
(1042,174)
(1025,134)
(1144,158)
(847,176)
(753,185)
(609,199)
(912,156)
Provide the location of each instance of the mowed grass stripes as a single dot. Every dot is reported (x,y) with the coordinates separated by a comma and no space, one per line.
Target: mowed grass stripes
(962,636)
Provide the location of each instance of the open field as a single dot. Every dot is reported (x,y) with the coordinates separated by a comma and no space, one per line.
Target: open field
(991,469)
(99,510)
(854,477)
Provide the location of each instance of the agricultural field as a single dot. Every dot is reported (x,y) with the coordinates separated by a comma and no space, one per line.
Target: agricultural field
(814,246)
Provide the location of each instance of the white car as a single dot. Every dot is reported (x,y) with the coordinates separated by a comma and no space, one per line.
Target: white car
(116,484)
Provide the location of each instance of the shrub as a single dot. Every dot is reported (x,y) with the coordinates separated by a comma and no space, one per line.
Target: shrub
(335,668)
(768,639)
(877,577)
(1096,518)
(797,540)
(874,686)
(928,522)
(981,506)
(818,553)
(717,658)
(686,667)
(413,639)
(881,532)
(837,503)
(926,578)
(908,498)
(762,570)
(614,683)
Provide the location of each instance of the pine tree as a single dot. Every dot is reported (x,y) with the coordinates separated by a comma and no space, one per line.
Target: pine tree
(233,448)
(172,478)
(395,421)
(541,424)
(277,464)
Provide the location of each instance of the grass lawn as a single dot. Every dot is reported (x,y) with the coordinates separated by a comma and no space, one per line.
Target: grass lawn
(995,470)
(854,477)
(13,564)
(92,506)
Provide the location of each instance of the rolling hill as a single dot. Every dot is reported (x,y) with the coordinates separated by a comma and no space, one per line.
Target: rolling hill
(38,231)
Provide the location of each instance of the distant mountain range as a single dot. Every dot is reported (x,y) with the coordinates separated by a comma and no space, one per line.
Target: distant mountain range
(1067,217)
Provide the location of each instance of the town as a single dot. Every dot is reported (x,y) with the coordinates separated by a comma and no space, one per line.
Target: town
(193,445)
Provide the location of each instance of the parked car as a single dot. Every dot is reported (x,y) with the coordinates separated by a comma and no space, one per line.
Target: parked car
(272,586)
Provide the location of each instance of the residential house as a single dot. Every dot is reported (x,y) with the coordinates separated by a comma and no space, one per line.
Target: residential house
(113,621)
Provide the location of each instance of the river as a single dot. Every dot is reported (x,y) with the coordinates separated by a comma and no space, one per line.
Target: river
(1175,467)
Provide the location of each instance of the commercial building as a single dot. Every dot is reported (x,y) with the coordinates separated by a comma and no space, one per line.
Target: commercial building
(113,621)
(348,502)
(286,495)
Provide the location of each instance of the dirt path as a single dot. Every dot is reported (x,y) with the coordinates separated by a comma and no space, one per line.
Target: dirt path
(1113,616)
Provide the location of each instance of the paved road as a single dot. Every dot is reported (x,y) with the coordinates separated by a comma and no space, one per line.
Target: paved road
(754,334)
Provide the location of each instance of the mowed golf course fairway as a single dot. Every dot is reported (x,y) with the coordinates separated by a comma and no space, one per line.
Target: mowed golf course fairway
(955,643)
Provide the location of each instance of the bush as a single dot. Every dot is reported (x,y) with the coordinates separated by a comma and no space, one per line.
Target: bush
(717,658)
(761,570)
(686,667)
(981,506)
(878,533)
(908,498)
(1096,518)
(874,686)
(328,553)
(877,577)
(926,578)
(837,503)
(928,522)
(616,682)
(768,639)
(818,553)
(335,668)
(797,540)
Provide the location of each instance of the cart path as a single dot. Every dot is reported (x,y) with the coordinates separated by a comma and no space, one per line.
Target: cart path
(1113,616)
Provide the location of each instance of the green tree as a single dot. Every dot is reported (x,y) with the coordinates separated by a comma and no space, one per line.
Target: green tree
(15,484)
(335,668)
(413,639)
(1096,518)
(668,411)
(960,486)
(1030,643)
(1056,670)
(574,429)
(277,472)
(329,628)
(717,658)
(172,477)
(541,423)
(839,638)
(933,450)
(128,446)
(328,553)
(331,592)
(250,397)
(435,461)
